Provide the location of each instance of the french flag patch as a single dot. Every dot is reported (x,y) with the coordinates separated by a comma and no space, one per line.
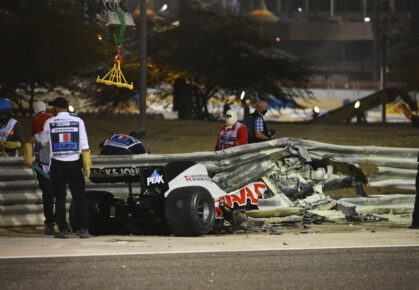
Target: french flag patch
(65,137)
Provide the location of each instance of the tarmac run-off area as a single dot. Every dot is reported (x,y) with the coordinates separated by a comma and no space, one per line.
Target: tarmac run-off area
(32,243)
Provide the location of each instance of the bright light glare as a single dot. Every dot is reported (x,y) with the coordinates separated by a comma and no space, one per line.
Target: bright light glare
(357,104)
(242,95)
(71,108)
(99,37)
(300,9)
(277,39)
(367,19)
(316,109)
(163,8)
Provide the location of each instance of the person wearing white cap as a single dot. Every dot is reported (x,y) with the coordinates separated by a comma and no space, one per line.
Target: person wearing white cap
(232,133)
(38,121)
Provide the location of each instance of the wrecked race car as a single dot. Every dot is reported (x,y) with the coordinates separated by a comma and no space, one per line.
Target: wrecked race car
(178,198)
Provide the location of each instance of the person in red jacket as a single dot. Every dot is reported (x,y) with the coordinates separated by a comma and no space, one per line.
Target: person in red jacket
(41,116)
(42,160)
(232,133)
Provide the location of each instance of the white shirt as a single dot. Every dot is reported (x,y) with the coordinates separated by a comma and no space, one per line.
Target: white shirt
(66,135)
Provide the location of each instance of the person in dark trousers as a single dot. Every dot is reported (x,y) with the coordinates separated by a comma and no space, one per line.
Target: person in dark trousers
(66,134)
(257,130)
(120,144)
(42,161)
(11,136)
(415,122)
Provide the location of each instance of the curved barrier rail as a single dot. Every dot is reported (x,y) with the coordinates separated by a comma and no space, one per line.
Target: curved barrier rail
(21,199)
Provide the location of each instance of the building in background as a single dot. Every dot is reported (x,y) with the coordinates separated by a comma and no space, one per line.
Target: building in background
(343,37)
(350,41)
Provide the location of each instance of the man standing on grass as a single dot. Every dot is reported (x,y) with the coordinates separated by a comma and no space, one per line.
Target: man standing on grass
(257,130)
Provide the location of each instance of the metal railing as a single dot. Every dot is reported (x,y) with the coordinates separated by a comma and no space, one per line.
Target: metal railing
(21,198)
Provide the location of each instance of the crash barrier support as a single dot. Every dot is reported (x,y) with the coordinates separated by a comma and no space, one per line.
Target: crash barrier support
(21,199)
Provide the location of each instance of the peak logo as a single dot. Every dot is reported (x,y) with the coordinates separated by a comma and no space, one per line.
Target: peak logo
(155,178)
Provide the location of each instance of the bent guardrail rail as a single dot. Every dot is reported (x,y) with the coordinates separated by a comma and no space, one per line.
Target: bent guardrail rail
(21,199)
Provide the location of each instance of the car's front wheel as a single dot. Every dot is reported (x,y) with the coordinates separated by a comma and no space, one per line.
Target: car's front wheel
(190,211)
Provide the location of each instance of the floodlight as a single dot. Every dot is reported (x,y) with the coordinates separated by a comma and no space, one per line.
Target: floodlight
(163,8)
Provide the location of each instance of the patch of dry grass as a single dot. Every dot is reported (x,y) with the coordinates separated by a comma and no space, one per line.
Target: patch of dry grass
(183,136)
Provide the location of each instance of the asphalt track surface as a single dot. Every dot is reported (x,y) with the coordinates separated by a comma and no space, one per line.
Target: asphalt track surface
(334,268)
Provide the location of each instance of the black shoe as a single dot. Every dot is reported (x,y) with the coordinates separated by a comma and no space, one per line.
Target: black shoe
(413,227)
(63,234)
(49,229)
(84,234)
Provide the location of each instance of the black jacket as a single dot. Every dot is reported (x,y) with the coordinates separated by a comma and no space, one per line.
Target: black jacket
(251,132)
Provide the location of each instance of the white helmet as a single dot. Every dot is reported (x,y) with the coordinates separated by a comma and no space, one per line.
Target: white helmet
(231,118)
(39,106)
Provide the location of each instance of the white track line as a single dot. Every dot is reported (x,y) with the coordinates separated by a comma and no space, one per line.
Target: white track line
(204,251)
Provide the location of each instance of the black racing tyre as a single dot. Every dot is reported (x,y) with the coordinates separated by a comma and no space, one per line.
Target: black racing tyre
(94,201)
(190,211)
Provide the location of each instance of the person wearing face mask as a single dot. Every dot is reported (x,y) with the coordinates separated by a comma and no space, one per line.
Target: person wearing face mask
(257,130)
(11,136)
(232,133)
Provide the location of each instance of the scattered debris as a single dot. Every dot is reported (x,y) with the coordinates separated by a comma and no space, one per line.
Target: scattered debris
(312,218)
(351,215)
(295,196)
(275,233)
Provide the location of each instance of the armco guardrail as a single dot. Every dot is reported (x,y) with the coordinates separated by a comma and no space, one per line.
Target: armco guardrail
(21,200)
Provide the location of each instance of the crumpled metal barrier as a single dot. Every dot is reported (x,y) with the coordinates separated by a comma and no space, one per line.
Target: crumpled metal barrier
(395,177)
(391,204)
(230,169)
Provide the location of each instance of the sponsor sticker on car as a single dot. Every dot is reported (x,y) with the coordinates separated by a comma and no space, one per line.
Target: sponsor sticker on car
(246,198)
(155,178)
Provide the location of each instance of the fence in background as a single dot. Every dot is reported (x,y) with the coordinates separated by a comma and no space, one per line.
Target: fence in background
(21,199)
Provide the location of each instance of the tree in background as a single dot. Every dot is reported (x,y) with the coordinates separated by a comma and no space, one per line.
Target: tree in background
(49,44)
(407,61)
(108,98)
(45,44)
(407,70)
(213,55)
(208,56)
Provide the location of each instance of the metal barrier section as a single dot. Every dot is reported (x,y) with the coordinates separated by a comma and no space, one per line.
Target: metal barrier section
(21,198)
